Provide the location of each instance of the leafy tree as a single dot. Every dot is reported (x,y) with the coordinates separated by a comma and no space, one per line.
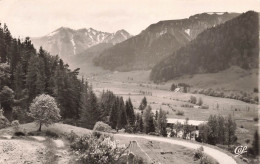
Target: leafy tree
(6,101)
(44,110)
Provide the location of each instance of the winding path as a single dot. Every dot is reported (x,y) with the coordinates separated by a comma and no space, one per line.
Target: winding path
(219,156)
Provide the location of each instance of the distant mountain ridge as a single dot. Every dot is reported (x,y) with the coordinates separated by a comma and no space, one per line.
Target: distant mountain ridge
(157,41)
(234,43)
(67,42)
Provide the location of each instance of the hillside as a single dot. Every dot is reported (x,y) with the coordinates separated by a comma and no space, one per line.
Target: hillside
(157,41)
(68,42)
(234,43)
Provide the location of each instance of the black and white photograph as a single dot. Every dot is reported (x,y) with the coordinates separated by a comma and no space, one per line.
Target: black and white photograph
(129,81)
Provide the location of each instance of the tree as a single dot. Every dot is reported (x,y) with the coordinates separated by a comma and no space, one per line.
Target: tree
(150,127)
(6,101)
(173,87)
(162,122)
(193,99)
(255,144)
(90,110)
(113,117)
(122,118)
(130,112)
(143,104)
(230,130)
(200,102)
(44,110)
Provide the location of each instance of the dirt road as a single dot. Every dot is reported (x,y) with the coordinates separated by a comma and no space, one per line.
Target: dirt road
(219,156)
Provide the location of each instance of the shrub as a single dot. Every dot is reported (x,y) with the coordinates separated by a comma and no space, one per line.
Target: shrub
(256,90)
(19,133)
(187,105)
(200,102)
(91,149)
(51,134)
(198,153)
(71,136)
(193,99)
(256,119)
(204,107)
(16,125)
(4,122)
(180,113)
(102,127)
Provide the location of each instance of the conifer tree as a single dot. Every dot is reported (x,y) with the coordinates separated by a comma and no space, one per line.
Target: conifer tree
(130,112)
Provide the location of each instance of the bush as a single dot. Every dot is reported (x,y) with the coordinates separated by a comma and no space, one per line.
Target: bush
(16,125)
(204,107)
(34,133)
(4,122)
(200,102)
(198,153)
(91,149)
(51,134)
(102,127)
(19,133)
(193,99)
(71,136)
(154,134)
(180,113)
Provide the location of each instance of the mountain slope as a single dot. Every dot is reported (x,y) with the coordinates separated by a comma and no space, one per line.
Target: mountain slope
(67,42)
(158,41)
(235,42)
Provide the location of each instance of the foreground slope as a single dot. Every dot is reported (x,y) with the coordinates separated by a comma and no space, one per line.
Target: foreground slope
(234,43)
(157,41)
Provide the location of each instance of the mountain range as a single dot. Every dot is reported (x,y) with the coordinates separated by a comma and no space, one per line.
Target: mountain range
(67,42)
(158,41)
(233,43)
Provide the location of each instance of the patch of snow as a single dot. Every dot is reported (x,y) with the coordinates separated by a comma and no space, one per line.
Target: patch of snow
(163,32)
(124,35)
(74,46)
(218,13)
(187,31)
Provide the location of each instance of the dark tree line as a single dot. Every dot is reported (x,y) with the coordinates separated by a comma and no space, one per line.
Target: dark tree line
(26,73)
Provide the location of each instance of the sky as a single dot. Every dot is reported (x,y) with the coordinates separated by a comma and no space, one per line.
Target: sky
(39,17)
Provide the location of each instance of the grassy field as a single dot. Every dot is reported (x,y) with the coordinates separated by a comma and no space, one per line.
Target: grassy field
(136,85)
